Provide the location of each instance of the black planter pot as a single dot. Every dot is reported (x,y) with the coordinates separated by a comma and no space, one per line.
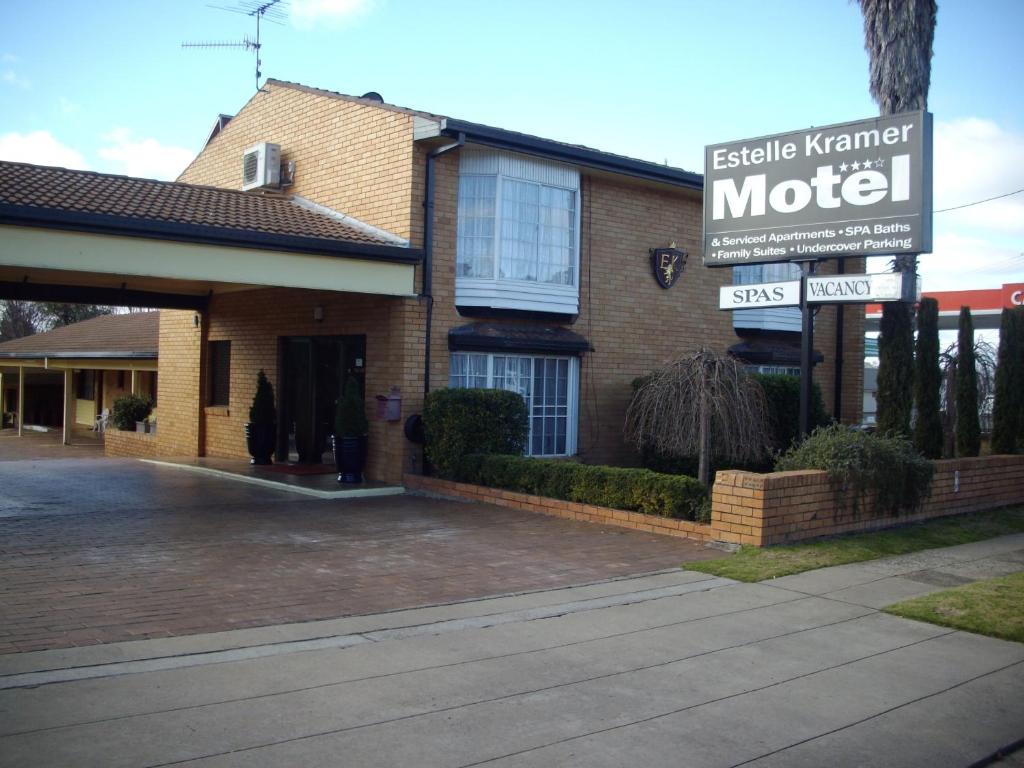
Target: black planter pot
(260,439)
(349,458)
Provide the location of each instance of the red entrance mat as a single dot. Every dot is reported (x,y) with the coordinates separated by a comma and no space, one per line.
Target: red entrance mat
(301,469)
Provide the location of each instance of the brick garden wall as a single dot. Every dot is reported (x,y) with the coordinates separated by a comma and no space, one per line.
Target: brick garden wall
(781,507)
(589,513)
(131,444)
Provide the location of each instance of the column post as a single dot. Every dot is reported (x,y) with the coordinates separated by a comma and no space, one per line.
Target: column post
(21,400)
(69,403)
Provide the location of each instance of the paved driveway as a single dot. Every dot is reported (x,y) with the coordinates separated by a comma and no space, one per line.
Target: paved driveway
(101,550)
(675,669)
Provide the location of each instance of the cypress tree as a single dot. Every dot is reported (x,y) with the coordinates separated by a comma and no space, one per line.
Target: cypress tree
(968,427)
(927,381)
(1009,396)
(895,369)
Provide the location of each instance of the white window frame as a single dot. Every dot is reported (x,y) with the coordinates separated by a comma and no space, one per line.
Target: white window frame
(506,293)
(572,394)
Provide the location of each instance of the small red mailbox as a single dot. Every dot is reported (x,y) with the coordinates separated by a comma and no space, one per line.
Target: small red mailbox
(390,408)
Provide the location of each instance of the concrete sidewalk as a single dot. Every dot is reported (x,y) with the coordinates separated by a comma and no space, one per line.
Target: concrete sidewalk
(669,669)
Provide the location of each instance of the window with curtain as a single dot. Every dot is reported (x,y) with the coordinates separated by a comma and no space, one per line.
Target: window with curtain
(547,384)
(517,223)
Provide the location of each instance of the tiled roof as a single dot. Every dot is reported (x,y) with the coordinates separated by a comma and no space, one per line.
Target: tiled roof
(135,334)
(502,336)
(63,196)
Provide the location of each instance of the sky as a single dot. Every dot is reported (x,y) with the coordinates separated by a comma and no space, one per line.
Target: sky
(107,86)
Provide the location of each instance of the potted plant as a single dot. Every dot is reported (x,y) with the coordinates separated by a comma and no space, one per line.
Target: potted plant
(349,441)
(130,411)
(261,429)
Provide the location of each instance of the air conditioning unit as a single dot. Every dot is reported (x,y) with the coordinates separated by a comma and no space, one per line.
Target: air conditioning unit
(261,166)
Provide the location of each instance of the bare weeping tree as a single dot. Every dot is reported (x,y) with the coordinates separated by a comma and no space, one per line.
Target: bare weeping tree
(702,404)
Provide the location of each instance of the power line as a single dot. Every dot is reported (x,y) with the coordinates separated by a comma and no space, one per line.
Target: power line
(979,202)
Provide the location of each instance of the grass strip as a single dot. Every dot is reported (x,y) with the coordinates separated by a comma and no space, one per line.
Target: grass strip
(760,563)
(994,607)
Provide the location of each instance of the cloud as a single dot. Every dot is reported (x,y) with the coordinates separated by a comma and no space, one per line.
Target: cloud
(977,159)
(41,148)
(147,158)
(12,78)
(962,262)
(306,13)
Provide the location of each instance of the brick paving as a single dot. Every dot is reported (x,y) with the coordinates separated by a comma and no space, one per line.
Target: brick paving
(105,550)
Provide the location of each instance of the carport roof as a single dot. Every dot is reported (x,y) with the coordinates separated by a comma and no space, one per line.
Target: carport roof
(132,335)
(35,195)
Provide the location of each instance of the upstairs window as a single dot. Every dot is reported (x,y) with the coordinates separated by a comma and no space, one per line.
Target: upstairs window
(518,223)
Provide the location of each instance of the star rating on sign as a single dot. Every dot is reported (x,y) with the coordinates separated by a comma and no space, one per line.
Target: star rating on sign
(856,165)
(843,168)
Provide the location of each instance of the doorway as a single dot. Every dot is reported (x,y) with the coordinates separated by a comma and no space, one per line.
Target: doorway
(313,372)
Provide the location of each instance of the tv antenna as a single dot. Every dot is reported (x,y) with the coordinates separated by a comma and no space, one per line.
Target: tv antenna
(275,11)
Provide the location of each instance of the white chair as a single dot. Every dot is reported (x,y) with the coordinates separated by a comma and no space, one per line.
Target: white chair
(101,421)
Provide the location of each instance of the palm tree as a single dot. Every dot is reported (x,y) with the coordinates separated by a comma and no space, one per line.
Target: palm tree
(898,37)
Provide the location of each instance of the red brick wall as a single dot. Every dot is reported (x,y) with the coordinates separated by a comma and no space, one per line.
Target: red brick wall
(781,507)
(392,359)
(131,444)
(584,512)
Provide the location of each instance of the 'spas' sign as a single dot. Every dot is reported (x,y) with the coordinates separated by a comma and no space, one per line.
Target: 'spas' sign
(834,289)
(855,189)
(758,295)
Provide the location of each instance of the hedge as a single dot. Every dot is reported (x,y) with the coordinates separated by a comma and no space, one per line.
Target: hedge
(633,490)
(457,422)
(885,467)
(782,392)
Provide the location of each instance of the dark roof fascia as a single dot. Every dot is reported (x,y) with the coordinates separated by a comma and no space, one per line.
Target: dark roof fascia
(92,355)
(155,229)
(567,153)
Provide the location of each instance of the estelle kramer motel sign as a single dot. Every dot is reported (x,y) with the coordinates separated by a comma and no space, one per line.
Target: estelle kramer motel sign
(853,189)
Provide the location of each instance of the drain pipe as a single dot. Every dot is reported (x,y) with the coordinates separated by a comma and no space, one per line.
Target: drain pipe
(428,249)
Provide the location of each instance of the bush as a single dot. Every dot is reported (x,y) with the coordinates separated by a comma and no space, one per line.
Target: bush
(262,410)
(968,424)
(129,409)
(635,490)
(783,395)
(350,413)
(887,467)
(457,422)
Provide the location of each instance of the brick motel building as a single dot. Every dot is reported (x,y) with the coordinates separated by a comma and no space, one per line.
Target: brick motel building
(319,237)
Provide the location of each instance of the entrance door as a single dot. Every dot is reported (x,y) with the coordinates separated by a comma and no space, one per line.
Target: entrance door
(314,370)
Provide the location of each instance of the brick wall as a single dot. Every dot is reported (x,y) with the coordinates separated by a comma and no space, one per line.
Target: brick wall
(131,444)
(393,358)
(349,156)
(781,507)
(179,385)
(584,512)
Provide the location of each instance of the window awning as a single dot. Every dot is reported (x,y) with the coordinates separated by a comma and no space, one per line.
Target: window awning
(517,338)
(771,350)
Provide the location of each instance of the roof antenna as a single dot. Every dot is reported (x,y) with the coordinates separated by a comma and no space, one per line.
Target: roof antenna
(273,10)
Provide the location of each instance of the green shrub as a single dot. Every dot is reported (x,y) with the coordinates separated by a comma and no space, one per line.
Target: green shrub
(968,424)
(262,410)
(635,490)
(129,409)
(887,467)
(783,395)
(350,414)
(457,422)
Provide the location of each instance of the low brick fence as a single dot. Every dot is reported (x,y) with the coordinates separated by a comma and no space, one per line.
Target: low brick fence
(132,445)
(567,509)
(780,507)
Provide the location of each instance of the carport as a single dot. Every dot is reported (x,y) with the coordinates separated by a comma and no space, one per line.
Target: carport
(76,236)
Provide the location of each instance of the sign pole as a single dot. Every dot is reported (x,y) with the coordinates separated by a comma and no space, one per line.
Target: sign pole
(806,348)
